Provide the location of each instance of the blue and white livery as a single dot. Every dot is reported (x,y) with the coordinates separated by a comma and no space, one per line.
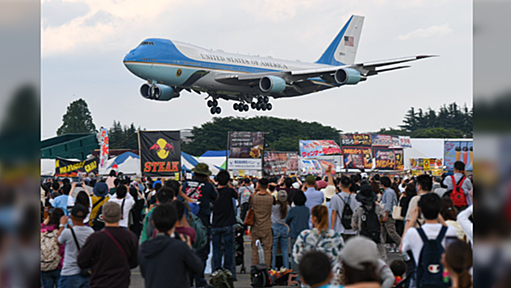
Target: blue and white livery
(171,66)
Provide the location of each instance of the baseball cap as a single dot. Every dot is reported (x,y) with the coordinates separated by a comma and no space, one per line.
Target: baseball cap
(282,196)
(79,211)
(359,250)
(321,184)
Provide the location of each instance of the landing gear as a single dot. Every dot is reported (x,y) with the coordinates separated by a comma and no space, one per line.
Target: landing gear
(213,104)
(263,103)
(241,107)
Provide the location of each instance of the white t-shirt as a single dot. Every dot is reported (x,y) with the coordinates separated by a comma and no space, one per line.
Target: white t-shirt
(70,266)
(127,207)
(413,242)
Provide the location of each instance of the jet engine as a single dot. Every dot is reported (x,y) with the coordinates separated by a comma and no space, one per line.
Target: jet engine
(347,76)
(272,84)
(158,92)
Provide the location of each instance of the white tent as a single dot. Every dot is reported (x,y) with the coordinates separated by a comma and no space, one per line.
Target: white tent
(424,148)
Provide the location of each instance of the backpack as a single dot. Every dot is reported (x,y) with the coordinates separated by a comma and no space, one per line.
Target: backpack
(371,227)
(347,213)
(97,223)
(222,279)
(259,276)
(458,195)
(50,257)
(430,269)
(200,231)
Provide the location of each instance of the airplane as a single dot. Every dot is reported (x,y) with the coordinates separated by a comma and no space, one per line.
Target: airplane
(170,67)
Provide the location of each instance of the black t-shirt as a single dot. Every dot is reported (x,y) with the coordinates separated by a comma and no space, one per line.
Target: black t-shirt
(223,210)
(202,193)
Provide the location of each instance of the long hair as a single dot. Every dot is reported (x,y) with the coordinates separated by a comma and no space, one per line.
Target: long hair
(321,214)
(352,276)
(55,216)
(83,199)
(448,211)
(283,208)
(458,256)
(410,190)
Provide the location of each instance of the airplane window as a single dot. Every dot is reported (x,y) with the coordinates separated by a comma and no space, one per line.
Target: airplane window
(147,43)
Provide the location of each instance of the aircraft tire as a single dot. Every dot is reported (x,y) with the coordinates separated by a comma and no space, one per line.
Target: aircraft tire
(245,107)
(258,106)
(263,106)
(269,106)
(240,107)
(215,103)
(218,110)
(210,103)
(235,106)
(253,105)
(266,99)
(212,110)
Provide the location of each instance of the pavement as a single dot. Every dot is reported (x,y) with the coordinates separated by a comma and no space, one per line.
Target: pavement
(243,279)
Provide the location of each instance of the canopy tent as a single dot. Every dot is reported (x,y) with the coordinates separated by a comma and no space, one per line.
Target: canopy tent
(215,157)
(127,163)
(424,148)
(188,162)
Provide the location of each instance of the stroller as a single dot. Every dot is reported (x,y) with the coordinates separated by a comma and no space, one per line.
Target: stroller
(239,231)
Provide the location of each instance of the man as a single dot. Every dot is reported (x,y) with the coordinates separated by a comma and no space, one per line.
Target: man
(62,200)
(436,183)
(124,202)
(314,197)
(246,190)
(111,252)
(429,206)
(466,184)
(389,200)
(74,238)
(223,223)
(203,193)
(262,201)
(164,195)
(166,259)
(338,202)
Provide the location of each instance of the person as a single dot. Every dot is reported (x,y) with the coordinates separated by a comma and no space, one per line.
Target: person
(423,186)
(224,219)
(459,179)
(99,198)
(398,268)
(342,205)
(125,202)
(135,225)
(449,212)
(111,252)
(320,238)
(201,190)
(408,194)
(315,270)
(50,277)
(287,185)
(182,225)
(298,220)
(371,212)
(314,197)
(166,259)
(246,190)
(74,238)
(262,203)
(84,199)
(359,263)
(465,223)
(436,184)
(415,239)
(164,195)
(458,260)
(280,229)
(389,201)
(62,200)
(112,176)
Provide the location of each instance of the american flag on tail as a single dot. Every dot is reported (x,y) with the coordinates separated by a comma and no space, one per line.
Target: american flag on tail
(349,41)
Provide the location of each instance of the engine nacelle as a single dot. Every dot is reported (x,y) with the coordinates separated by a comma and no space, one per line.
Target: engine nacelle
(272,84)
(347,76)
(158,92)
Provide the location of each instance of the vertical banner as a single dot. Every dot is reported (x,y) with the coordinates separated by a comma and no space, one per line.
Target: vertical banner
(160,153)
(104,147)
(357,157)
(400,163)
(458,151)
(385,158)
(246,151)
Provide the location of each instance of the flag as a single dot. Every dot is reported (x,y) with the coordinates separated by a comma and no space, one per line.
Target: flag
(349,41)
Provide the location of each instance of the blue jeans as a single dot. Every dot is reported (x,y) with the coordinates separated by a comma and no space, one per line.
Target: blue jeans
(280,234)
(74,281)
(227,234)
(49,279)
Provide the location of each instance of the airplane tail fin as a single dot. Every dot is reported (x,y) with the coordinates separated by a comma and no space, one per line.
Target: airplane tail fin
(343,48)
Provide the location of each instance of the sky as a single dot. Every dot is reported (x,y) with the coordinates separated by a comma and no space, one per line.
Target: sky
(84,43)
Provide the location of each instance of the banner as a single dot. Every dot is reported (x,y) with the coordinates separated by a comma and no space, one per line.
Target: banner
(425,164)
(405,141)
(400,162)
(458,151)
(246,151)
(313,148)
(104,146)
(73,168)
(385,159)
(395,142)
(280,163)
(382,140)
(357,157)
(160,153)
(347,140)
(361,139)
(312,167)
(333,161)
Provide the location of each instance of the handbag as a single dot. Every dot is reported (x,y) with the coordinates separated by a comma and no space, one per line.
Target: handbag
(83,272)
(250,217)
(396,212)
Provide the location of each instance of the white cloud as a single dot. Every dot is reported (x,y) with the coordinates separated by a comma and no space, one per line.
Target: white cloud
(427,33)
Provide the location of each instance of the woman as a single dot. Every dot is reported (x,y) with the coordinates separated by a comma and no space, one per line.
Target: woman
(457,259)
(410,192)
(298,220)
(135,222)
(449,213)
(319,238)
(280,229)
(84,199)
(49,227)
(359,264)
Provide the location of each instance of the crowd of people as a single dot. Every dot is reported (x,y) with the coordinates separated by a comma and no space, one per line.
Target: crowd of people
(331,231)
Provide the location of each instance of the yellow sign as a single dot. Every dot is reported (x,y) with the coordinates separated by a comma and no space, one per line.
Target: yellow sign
(426,165)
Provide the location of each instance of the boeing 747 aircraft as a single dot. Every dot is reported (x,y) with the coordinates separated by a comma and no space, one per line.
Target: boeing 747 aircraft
(170,67)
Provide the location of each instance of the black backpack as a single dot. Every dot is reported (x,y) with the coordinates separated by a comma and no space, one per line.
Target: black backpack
(347,213)
(430,269)
(371,227)
(259,276)
(97,223)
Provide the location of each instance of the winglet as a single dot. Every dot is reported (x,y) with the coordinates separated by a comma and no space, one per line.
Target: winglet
(343,48)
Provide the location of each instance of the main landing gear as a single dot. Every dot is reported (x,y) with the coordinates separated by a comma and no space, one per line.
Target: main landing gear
(263,103)
(241,107)
(213,104)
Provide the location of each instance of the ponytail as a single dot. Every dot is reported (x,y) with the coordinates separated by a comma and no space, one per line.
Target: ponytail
(321,214)
(464,279)
(458,257)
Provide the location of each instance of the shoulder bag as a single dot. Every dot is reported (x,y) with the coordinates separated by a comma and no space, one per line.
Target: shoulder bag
(250,217)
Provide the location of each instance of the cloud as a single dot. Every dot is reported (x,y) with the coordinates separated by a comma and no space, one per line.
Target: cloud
(432,31)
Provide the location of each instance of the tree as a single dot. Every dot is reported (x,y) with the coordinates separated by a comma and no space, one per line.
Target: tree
(123,136)
(437,132)
(77,119)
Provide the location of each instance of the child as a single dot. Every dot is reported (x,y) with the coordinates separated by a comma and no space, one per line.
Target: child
(398,267)
(315,270)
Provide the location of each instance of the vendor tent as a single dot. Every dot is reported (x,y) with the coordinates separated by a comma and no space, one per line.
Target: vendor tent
(215,157)
(424,148)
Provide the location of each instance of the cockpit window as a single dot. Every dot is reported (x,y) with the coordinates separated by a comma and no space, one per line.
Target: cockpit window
(147,43)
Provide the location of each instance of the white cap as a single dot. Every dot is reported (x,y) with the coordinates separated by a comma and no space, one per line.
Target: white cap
(296,185)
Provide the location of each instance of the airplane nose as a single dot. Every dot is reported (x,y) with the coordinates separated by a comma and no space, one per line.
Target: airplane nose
(131,56)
